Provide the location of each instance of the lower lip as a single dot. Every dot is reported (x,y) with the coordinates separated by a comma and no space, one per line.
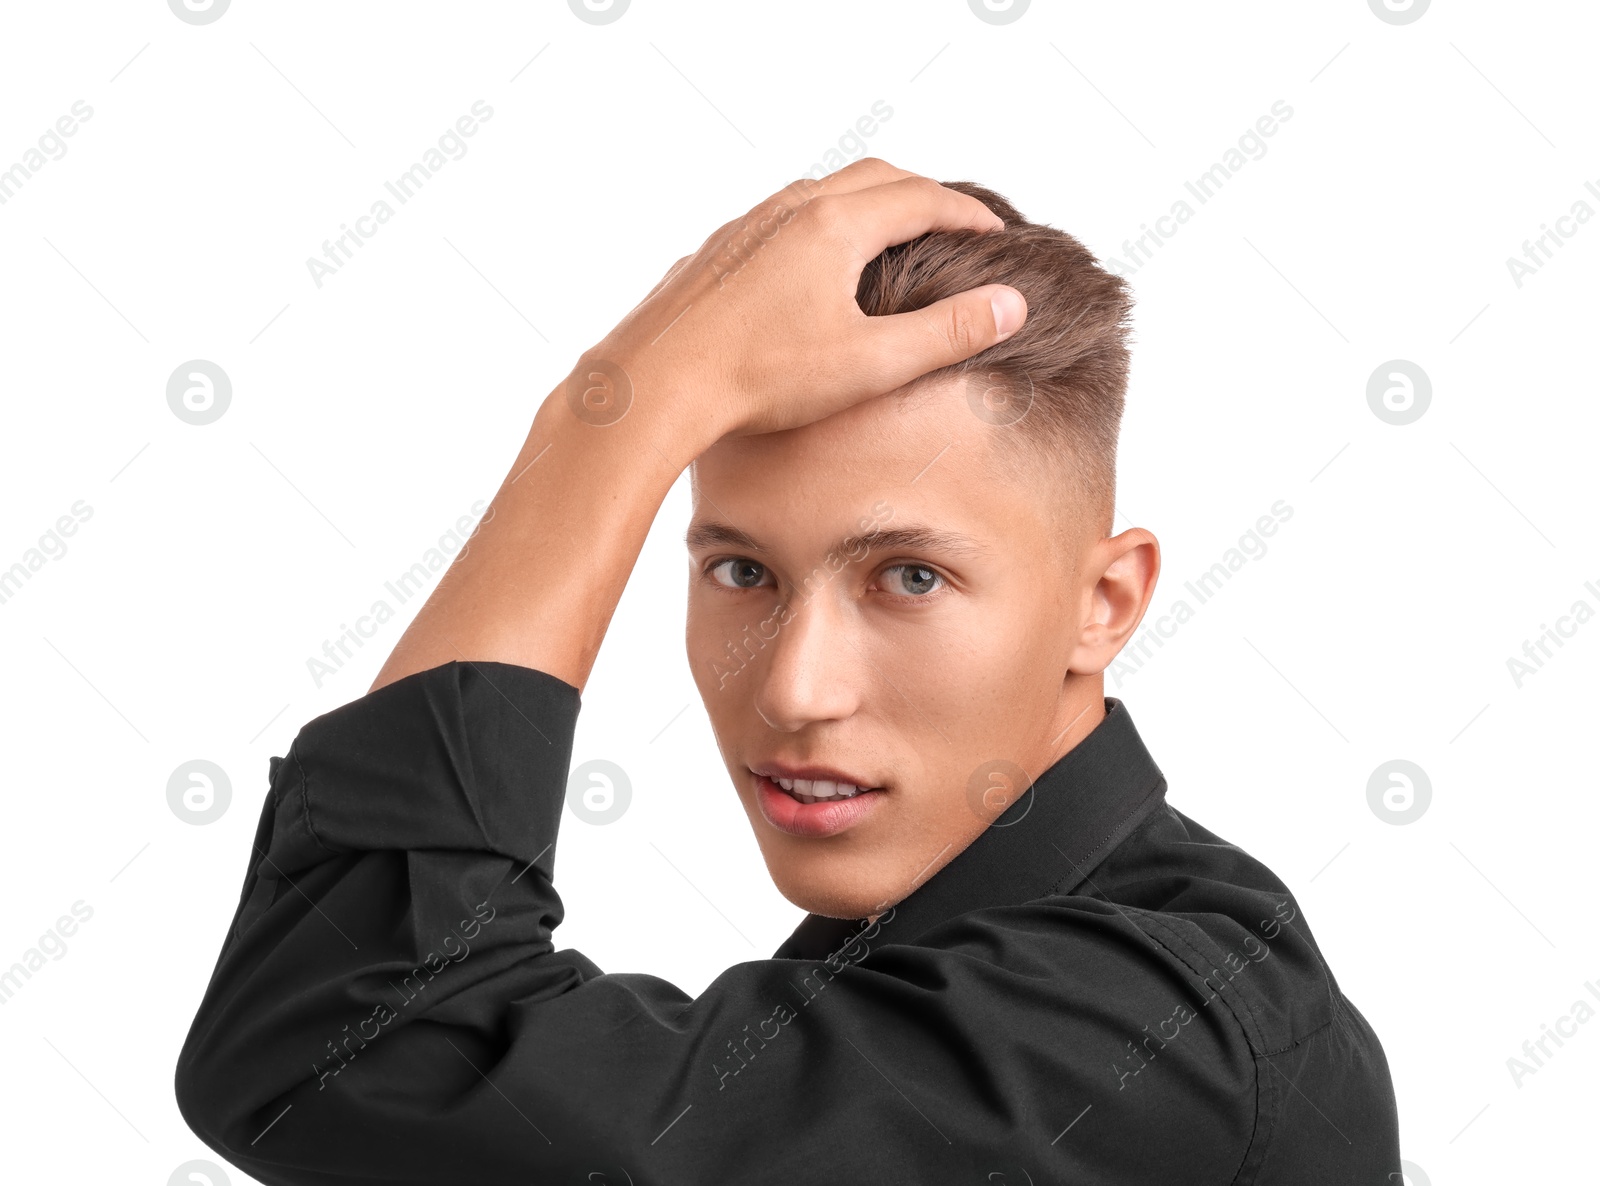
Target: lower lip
(824,818)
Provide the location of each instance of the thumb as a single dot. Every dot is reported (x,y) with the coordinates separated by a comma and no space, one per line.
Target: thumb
(946,332)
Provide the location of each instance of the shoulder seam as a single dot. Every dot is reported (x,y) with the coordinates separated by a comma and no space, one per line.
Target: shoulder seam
(1306,1037)
(305,799)
(1261,1131)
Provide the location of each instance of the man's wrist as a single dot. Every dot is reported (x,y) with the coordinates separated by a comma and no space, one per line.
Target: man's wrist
(615,381)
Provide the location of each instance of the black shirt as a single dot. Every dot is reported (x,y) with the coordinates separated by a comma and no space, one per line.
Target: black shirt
(1096,990)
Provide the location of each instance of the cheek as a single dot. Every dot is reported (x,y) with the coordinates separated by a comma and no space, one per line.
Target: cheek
(726,678)
(971,698)
(706,626)
(694,636)
(962,664)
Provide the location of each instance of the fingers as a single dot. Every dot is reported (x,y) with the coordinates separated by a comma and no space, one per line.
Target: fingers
(879,216)
(857,175)
(902,346)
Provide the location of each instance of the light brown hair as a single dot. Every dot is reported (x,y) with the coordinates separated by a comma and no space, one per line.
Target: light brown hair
(1058,383)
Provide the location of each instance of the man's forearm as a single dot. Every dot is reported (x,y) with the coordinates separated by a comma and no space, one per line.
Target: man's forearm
(538,582)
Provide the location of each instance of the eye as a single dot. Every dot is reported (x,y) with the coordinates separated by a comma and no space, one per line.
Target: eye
(744,573)
(914,580)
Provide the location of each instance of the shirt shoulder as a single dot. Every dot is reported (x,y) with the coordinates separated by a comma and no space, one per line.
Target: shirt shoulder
(1228,916)
(1324,1097)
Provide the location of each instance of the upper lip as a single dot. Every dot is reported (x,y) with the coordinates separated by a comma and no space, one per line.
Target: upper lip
(776,770)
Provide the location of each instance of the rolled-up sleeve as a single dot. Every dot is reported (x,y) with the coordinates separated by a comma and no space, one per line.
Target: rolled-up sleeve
(389,1005)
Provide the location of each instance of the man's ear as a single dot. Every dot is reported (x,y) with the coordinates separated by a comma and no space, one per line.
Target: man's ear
(1120,574)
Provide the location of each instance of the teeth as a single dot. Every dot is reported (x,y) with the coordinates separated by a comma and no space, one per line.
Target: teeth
(817,790)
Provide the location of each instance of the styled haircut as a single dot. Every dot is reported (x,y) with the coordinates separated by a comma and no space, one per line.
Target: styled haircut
(1055,388)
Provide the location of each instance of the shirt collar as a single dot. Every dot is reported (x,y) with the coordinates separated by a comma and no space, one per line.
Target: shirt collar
(1047,842)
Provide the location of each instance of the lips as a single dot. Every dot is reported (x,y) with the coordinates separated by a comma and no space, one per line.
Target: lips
(827,817)
(777,770)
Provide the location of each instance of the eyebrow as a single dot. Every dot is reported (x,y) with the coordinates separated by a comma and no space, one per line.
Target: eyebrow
(912,538)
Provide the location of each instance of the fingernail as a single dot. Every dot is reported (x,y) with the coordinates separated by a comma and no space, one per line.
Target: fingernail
(1009,311)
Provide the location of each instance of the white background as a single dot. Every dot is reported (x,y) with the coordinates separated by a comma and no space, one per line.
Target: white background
(371,412)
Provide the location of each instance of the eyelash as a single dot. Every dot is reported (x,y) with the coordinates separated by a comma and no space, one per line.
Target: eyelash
(906,598)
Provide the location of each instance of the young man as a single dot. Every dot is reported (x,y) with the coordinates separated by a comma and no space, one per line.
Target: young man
(1020,964)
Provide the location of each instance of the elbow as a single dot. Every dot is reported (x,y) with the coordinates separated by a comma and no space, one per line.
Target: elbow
(230,1084)
(201,1098)
(211,1101)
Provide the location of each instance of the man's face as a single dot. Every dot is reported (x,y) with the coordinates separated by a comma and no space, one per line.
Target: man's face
(932,669)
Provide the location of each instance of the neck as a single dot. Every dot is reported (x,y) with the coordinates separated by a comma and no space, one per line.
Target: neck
(1079,715)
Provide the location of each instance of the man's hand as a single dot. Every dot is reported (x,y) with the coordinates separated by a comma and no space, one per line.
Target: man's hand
(760,327)
(757,331)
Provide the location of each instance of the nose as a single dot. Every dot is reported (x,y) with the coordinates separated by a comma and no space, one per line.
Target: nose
(813,668)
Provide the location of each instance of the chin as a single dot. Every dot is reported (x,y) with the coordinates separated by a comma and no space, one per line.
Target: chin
(828,909)
(828,902)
